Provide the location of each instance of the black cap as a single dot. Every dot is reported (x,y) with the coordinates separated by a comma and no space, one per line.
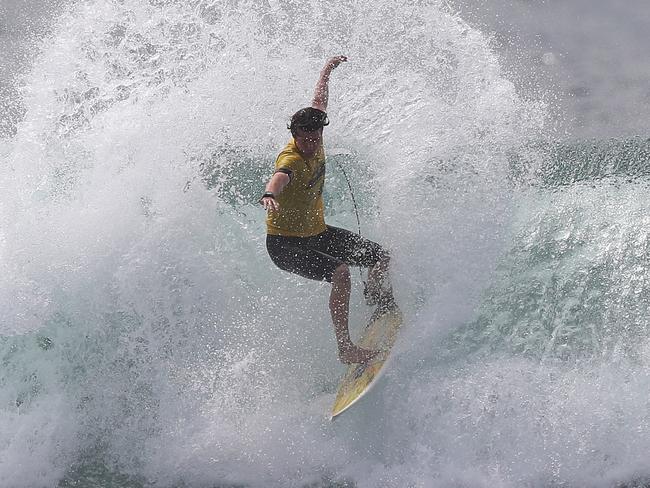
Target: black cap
(309,119)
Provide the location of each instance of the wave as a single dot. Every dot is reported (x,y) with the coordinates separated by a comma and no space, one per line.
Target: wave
(559,164)
(148,340)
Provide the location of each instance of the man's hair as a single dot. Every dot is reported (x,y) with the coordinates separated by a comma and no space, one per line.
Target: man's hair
(309,119)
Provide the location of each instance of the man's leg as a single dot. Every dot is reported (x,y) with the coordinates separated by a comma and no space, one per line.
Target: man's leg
(339,308)
(355,250)
(378,274)
(378,290)
(297,256)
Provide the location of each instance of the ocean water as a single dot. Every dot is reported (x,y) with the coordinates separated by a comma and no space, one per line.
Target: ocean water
(146,339)
(586,57)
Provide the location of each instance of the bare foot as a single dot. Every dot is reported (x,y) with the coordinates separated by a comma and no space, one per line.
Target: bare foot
(354,354)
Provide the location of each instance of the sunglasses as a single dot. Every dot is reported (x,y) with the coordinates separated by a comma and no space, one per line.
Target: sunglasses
(309,128)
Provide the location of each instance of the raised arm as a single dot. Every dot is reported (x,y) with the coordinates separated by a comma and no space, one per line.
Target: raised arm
(321,94)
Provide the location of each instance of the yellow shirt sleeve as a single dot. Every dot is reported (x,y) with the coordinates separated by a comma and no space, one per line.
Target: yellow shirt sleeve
(289,161)
(288,164)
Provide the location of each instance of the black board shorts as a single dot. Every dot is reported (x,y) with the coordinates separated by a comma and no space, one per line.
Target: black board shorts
(317,257)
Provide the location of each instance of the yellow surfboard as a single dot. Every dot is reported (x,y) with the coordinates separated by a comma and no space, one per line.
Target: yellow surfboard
(380,333)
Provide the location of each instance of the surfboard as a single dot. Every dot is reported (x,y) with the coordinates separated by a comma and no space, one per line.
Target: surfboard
(380,333)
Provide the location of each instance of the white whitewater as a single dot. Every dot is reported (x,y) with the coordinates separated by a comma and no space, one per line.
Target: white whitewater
(145,329)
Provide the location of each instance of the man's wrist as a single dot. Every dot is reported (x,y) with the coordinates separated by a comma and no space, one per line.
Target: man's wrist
(269,194)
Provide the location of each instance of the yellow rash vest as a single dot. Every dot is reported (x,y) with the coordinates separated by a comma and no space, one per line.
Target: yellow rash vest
(301,211)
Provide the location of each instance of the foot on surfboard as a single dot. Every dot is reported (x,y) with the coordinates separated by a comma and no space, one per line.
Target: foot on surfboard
(355,354)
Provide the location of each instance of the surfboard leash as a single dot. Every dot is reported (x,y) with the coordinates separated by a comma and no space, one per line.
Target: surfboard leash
(356,209)
(354,201)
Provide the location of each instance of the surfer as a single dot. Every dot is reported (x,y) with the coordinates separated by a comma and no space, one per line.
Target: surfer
(299,241)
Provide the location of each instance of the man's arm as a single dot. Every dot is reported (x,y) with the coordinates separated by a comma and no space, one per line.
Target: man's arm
(275,185)
(321,94)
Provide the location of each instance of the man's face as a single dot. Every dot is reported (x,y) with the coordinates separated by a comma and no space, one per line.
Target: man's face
(309,141)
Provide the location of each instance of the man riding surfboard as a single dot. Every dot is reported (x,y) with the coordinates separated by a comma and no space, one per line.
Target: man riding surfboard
(299,241)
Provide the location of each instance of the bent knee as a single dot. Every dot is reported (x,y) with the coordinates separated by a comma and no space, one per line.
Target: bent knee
(341,273)
(383,260)
(385,257)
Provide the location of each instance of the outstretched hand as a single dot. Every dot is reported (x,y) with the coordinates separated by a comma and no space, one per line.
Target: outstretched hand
(269,204)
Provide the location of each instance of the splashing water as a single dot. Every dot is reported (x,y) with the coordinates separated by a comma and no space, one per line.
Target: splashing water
(145,329)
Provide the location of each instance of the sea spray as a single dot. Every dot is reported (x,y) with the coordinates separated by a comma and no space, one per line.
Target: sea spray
(146,330)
